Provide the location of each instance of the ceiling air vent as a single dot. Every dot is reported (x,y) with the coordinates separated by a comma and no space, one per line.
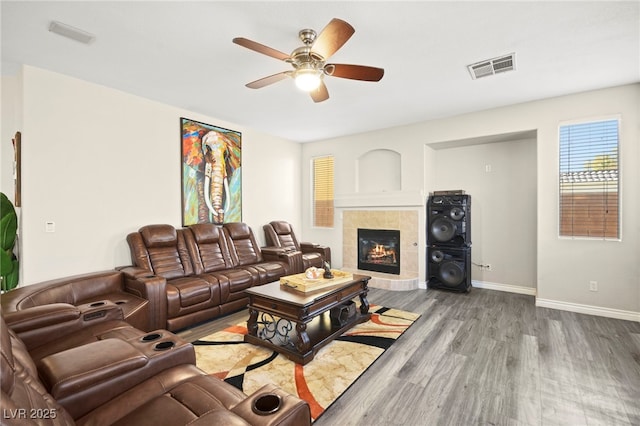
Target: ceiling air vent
(71,32)
(492,66)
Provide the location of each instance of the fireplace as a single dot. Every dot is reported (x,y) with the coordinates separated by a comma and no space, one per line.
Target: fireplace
(379,250)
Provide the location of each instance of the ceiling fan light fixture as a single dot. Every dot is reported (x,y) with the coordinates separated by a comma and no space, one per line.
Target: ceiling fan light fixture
(308,79)
(309,61)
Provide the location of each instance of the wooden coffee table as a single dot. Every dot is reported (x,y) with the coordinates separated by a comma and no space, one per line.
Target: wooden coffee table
(275,311)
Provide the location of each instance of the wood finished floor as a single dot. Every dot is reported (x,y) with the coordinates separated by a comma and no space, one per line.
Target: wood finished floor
(491,358)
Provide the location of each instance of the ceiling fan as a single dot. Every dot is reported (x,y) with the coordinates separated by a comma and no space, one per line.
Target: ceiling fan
(309,61)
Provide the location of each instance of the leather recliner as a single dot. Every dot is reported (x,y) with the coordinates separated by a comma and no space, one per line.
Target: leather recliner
(279,233)
(162,251)
(57,327)
(247,254)
(138,295)
(177,395)
(207,267)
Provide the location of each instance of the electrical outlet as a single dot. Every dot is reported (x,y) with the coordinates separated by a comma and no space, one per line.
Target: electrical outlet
(593,285)
(487,266)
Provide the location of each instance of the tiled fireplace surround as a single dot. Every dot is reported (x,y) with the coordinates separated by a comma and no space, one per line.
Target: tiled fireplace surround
(406,221)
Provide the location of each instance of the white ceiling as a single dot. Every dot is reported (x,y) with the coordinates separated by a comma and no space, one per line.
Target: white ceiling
(180,53)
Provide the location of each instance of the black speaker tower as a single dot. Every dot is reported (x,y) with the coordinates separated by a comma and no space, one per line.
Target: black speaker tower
(449,241)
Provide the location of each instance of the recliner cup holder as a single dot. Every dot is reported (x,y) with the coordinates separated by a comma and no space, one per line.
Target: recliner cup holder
(151,337)
(96,304)
(266,404)
(163,346)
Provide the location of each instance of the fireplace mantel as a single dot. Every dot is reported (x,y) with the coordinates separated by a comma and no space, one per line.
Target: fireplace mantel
(401,218)
(380,199)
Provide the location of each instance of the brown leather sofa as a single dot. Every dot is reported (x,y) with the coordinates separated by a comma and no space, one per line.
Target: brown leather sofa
(279,233)
(148,379)
(207,268)
(56,327)
(137,297)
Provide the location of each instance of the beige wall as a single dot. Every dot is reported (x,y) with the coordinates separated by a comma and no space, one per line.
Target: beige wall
(101,163)
(11,122)
(563,267)
(501,179)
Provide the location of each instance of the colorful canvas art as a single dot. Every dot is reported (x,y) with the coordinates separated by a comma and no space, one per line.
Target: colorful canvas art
(211,173)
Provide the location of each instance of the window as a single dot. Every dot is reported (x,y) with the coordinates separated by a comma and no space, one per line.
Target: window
(323,191)
(589,180)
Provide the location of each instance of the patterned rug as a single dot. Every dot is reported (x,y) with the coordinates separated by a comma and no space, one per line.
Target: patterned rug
(248,367)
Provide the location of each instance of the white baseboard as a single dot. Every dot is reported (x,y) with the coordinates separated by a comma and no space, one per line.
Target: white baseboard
(589,309)
(556,304)
(495,286)
(504,287)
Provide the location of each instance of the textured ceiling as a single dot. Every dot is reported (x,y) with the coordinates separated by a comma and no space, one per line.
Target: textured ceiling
(180,53)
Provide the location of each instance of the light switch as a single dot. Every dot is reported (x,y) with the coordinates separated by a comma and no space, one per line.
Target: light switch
(49,227)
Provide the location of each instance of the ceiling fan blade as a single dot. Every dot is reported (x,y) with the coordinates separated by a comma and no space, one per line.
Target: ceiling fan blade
(332,37)
(268,80)
(320,93)
(260,48)
(354,72)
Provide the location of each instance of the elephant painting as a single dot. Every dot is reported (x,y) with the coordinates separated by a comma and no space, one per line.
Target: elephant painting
(211,174)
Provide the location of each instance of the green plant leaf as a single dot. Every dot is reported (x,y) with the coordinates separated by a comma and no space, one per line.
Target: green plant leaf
(6,261)
(6,268)
(11,280)
(5,204)
(8,229)
(8,223)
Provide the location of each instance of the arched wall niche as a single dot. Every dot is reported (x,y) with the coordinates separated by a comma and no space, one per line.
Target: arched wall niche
(379,171)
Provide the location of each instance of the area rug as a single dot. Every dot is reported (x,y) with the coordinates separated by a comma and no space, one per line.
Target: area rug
(334,368)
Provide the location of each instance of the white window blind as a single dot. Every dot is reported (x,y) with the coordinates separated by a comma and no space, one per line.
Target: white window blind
(323,191)
(589,182)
